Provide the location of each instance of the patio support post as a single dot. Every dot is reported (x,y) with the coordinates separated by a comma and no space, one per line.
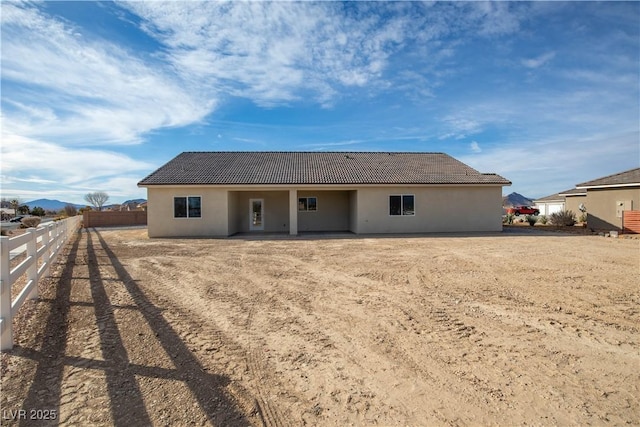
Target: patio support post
(293,212)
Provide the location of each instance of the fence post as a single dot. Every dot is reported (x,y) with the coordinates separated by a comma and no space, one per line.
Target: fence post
(6,329)
(32,270)
(57,233)
(46,256)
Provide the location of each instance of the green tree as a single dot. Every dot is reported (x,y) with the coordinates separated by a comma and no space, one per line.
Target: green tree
(37,211)
(23,210)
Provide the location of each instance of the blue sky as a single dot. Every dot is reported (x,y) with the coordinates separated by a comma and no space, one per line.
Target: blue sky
(96,95)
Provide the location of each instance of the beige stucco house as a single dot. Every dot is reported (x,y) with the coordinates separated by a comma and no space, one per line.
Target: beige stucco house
(607,199)
(224,193)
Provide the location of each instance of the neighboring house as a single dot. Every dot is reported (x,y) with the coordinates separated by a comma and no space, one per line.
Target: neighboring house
(131,206)
(7,213)
(609,197)
(224,193)
(570,200)
(574,200)
(550,204)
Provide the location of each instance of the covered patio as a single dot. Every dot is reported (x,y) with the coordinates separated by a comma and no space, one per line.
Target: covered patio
(290,211)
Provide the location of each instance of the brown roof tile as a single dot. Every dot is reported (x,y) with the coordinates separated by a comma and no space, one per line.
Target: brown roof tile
(626,178)
(274,168)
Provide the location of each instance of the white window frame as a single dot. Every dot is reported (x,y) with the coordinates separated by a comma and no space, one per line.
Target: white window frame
(307,204)
(187,207)
(401,205)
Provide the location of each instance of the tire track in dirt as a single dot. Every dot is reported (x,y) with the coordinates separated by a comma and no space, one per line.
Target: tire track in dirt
(215,342)
(542,334)
(344,339)
(209,390)
(127,406)
(268,412)
(285,296)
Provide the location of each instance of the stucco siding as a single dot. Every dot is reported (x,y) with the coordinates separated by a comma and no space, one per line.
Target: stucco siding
(353,211)
(332,214)
(161,221)
(572,203)
(233,220)
(275,205)
(364,210)
(601,206)
(437,209)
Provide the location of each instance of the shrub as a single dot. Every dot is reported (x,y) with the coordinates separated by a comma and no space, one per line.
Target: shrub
(37,211)
(508,219)
(70,210)
(532,220)
(583,217)
(542,219)
(563,218)
(32,221)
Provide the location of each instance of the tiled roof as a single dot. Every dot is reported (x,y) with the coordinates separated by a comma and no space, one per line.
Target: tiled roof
(552,198)
(630,177)
(237,168)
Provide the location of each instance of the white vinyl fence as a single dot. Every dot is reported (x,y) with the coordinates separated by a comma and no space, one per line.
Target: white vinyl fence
(43,243)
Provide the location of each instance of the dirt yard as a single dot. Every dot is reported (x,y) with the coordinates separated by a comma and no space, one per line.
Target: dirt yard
(521,327)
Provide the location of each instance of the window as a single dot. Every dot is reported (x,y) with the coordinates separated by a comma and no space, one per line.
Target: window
(307,203)
(402,205)
(187,207)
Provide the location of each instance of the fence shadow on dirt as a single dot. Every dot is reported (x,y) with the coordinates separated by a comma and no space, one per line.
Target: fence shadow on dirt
(44,391)
(127,404)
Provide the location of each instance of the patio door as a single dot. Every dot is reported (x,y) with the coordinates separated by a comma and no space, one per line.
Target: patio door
(256,214)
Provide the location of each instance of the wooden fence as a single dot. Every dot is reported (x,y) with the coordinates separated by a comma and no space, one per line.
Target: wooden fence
(114,218)
(631,222)
(43,243)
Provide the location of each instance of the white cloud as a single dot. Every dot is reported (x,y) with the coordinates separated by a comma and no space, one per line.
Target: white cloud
(461,124)
(59,83)
(538,61)
(475,147)
(69,168)
(494,18)
(333,145)
(558,162)
(271,52)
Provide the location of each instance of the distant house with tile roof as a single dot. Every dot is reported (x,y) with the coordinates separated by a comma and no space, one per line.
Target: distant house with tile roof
(605,200)
(608,198)
(569,200)
(550,204)
(224,193)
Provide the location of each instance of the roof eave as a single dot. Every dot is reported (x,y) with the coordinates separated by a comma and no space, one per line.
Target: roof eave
(324,184)
(589,187)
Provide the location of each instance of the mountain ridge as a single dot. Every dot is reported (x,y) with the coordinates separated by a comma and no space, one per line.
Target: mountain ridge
(516,199)
(51,204)
(56,205)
